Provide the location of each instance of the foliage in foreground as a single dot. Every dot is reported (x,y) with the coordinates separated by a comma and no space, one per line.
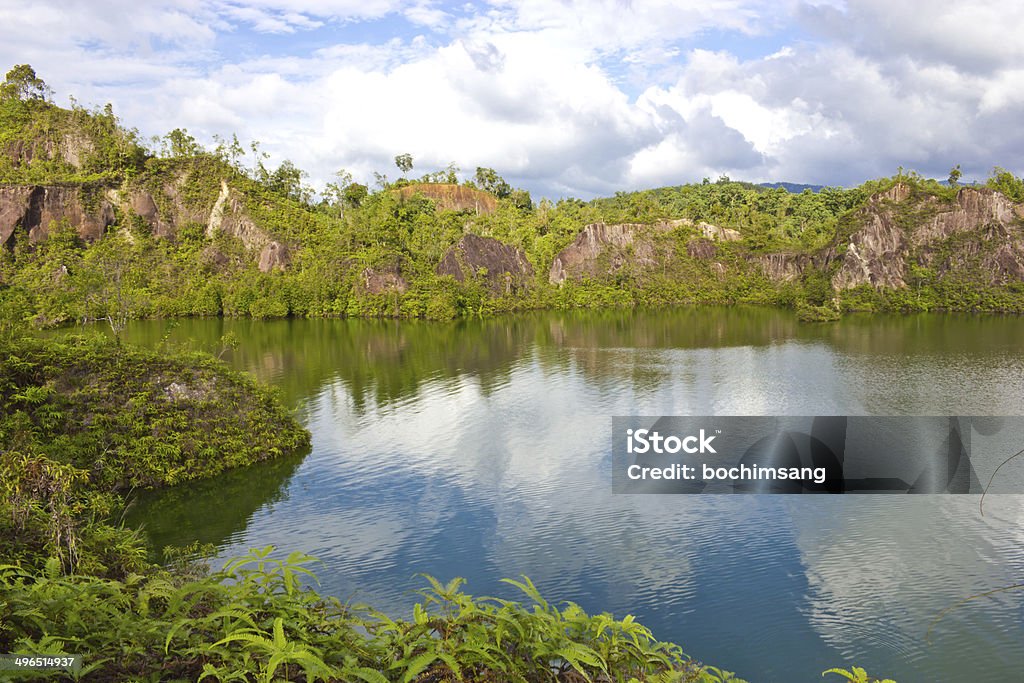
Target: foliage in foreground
(857,675)
(255,621)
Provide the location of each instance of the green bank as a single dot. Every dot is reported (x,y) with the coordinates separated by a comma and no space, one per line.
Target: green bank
(97,224)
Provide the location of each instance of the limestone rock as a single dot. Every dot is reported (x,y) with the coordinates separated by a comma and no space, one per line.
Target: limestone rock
(895,229)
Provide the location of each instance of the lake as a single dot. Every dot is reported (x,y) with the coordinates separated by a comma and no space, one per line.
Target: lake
(483,449)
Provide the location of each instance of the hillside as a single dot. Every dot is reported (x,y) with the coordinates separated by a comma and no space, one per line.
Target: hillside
(94,226)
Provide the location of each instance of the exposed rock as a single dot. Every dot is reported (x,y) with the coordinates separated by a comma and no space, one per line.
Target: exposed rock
(228,216)
(600,248)
(383,280)
(783,267)
(973,209)
(14,206)
(144,205)
(600,241)
(897,193)
(274,256)
(451,197)
(1005,263)
(714,232)
(217,212)
(701,248)
(213,256)
(54,204)
(178,391)
(238,224)
(37,207)
(895,228)
(22,152)
(504,267)
(74,148)
(176,209)
(90,211)
(876,255)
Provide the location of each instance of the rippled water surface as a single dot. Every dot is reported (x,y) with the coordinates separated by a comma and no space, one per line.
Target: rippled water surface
(482,449)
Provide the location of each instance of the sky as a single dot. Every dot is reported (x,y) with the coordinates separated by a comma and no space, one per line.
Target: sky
(565,98)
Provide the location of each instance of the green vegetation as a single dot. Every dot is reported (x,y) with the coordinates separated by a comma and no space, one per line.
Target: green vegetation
(163,256)
(179,230)
(256,621)
(857,675)
(83,420)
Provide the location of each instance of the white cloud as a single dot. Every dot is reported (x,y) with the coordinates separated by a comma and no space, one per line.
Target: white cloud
(974,36)
(536,88)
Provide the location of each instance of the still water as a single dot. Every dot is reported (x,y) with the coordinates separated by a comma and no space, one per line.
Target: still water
(483,449)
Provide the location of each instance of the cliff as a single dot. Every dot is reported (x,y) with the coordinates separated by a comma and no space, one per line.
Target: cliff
(36,207)
(504,268)
(978,232)
(900,236)
(601,249)
(451,197)
(162,204)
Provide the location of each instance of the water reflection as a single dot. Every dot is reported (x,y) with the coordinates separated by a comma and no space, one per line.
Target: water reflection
(482,449)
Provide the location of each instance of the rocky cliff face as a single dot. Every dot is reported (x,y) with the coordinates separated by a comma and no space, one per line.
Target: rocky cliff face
(71,148)
(601,248)
(36,207)
(503,267)
(449,197)
(896,230)
(228,216)
(783,267)
(90,211)
(980,235)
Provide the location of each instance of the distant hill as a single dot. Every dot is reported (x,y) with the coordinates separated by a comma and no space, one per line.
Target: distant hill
(795,188)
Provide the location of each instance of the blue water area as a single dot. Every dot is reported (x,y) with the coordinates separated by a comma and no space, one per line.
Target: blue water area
(482,449)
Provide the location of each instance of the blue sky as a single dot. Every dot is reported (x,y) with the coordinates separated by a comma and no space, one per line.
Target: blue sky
(565,98)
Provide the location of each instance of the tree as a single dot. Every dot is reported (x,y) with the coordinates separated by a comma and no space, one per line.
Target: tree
(954,176)
(231,152)
(488,179)
(404,163)
(23,84)
(287,180)
(345,194)
(355,194)
(452,173)
(110,285)
(1005,182)
(522,200)
(178,143)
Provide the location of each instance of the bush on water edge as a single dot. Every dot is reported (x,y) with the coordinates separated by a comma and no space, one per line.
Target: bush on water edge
(85,419)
